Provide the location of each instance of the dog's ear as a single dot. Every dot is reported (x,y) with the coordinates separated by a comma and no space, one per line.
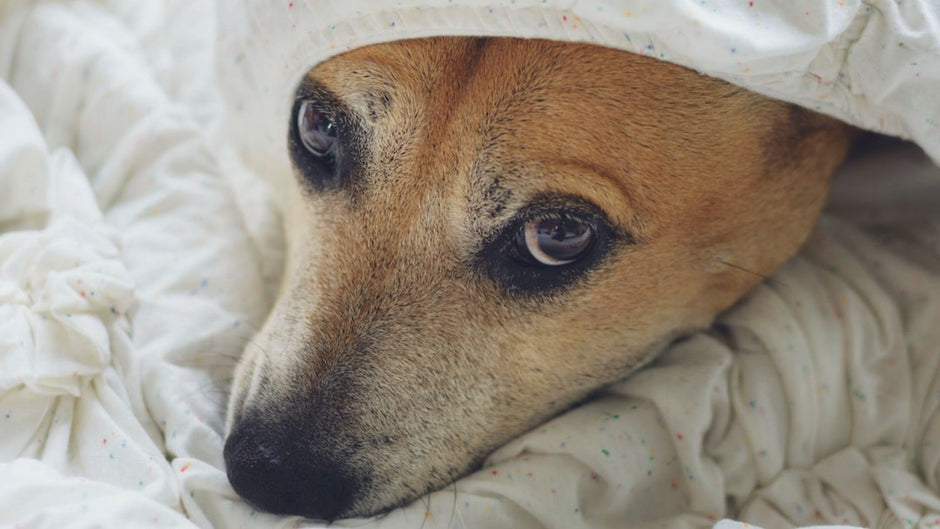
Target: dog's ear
(802,137)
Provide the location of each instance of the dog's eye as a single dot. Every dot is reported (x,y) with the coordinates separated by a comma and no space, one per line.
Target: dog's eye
(317,132)
(553,241)
(550,245)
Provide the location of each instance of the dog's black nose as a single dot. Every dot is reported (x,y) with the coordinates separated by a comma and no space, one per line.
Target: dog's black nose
(274,476)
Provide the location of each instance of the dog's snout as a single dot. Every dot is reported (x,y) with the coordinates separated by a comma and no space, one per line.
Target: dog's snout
(272,474)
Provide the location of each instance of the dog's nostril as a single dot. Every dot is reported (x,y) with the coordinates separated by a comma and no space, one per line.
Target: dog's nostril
(281,481)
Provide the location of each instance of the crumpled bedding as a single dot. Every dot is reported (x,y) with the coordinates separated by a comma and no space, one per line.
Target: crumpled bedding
(139,250)
(872,63)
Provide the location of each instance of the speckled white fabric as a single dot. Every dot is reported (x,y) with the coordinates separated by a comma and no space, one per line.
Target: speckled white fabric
(874,63)
(138,253)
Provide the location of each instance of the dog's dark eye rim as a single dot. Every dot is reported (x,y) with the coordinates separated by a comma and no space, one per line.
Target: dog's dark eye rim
(332,168)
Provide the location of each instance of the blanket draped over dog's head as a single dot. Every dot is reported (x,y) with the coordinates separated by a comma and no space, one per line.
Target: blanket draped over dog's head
(873,63)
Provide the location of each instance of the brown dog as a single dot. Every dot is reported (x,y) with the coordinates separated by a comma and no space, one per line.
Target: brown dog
(483,231)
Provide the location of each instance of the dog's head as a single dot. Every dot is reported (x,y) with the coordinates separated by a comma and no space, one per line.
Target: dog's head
(483,231)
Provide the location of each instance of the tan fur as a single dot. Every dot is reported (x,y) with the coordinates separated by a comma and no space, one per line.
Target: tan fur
(392,353)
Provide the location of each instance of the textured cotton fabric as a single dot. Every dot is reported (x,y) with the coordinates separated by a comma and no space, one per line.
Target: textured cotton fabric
(873,63)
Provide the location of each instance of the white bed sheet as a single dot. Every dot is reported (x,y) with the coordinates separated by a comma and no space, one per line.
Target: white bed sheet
(138,254)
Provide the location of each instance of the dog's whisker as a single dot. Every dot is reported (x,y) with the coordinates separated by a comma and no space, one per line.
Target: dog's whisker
(453,483)
(427,509)
(766,278)
(424,498)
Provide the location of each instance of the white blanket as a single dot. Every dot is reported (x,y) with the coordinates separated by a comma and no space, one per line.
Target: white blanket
(874,63)
(137,254)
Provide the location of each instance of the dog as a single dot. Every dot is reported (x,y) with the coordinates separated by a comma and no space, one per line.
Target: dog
(482,232)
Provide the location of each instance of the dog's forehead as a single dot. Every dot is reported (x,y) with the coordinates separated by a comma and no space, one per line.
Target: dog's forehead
(503,82)
(484,125)
(505,121)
